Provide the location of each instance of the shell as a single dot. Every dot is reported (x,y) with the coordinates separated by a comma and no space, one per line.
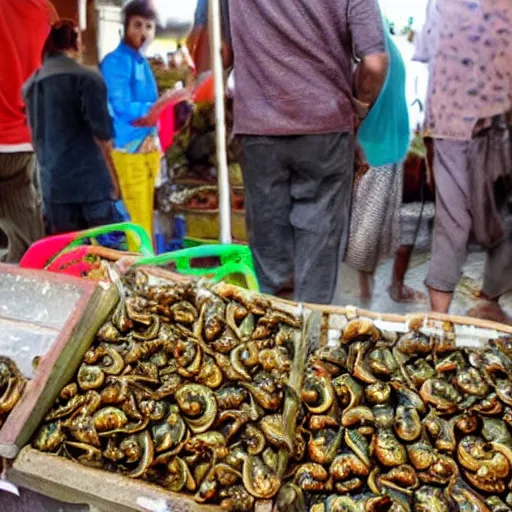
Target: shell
(109,418)
(199,406)
(49,438)
(90,377)
(259,480)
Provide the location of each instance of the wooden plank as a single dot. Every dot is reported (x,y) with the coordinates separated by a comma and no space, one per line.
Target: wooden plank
(59,364)
(460,320)
(69,482)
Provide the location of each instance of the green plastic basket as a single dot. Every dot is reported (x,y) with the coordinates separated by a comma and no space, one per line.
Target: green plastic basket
(190,241)
(137,238)
(229,263)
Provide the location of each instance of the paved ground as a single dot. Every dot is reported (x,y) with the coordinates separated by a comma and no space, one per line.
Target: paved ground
(465,297)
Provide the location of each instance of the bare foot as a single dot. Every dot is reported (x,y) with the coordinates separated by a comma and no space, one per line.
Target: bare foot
(366,287)
(490,310)
(405,295)
(366,298)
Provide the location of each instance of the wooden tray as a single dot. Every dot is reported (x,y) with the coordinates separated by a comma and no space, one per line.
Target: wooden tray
(70,482)
(52,316)
(468,332)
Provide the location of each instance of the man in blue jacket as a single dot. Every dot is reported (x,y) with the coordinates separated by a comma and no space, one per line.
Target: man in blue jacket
(132,88)
(135,107)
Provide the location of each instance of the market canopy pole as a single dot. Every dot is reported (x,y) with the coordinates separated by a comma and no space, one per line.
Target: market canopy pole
(220,118)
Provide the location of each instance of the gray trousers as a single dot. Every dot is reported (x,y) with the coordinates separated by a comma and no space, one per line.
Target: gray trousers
(463,171)
(297,200)
(20,209)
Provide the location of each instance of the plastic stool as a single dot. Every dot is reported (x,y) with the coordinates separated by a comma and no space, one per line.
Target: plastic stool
(176,242)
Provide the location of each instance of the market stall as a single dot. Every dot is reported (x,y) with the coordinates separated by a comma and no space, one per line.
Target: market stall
(191,395)
(191,189)
(142,389)
(202,160)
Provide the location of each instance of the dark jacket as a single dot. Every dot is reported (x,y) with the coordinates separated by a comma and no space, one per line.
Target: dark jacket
(67,109)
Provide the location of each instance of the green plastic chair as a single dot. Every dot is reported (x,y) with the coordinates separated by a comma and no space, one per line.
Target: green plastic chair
(137,238)
(189,242)
(234,263)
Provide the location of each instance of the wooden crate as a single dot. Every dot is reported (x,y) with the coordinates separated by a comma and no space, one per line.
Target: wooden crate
(70,482)
(468,332)
(60,330)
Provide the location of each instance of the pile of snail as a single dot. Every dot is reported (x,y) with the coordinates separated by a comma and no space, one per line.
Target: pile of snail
(12,384)
(406,422)
(185,387)
(194,387)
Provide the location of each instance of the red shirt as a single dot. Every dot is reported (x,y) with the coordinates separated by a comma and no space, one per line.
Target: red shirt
(24,27)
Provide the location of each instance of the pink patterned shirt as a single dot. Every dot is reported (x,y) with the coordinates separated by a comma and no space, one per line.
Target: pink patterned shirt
(470,67)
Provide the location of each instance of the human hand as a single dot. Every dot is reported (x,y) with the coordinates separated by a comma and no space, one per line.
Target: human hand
(361,166)
(147,121)
(172,96)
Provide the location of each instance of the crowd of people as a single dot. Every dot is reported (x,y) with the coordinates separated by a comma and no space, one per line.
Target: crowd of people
(322,116)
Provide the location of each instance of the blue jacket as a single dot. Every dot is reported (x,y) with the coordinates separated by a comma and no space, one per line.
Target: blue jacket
(132,90)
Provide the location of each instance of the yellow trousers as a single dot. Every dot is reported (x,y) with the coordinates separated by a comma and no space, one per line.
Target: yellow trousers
(137,175)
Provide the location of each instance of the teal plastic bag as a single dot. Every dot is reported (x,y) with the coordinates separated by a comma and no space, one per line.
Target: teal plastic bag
(385,133)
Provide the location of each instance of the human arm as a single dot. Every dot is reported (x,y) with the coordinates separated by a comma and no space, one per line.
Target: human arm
(54,15)
(106,147)
(227,44)
(425,42)
(200,21)
(193,39)
(370,77)
(95,110)
(369,46)
(172,96)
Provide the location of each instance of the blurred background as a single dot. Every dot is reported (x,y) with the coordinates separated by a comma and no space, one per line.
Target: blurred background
(101,25)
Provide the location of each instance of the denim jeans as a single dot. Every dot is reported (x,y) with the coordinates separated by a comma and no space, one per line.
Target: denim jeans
(65,218)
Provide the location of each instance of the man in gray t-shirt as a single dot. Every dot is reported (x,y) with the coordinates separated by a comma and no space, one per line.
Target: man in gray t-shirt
(296,111)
